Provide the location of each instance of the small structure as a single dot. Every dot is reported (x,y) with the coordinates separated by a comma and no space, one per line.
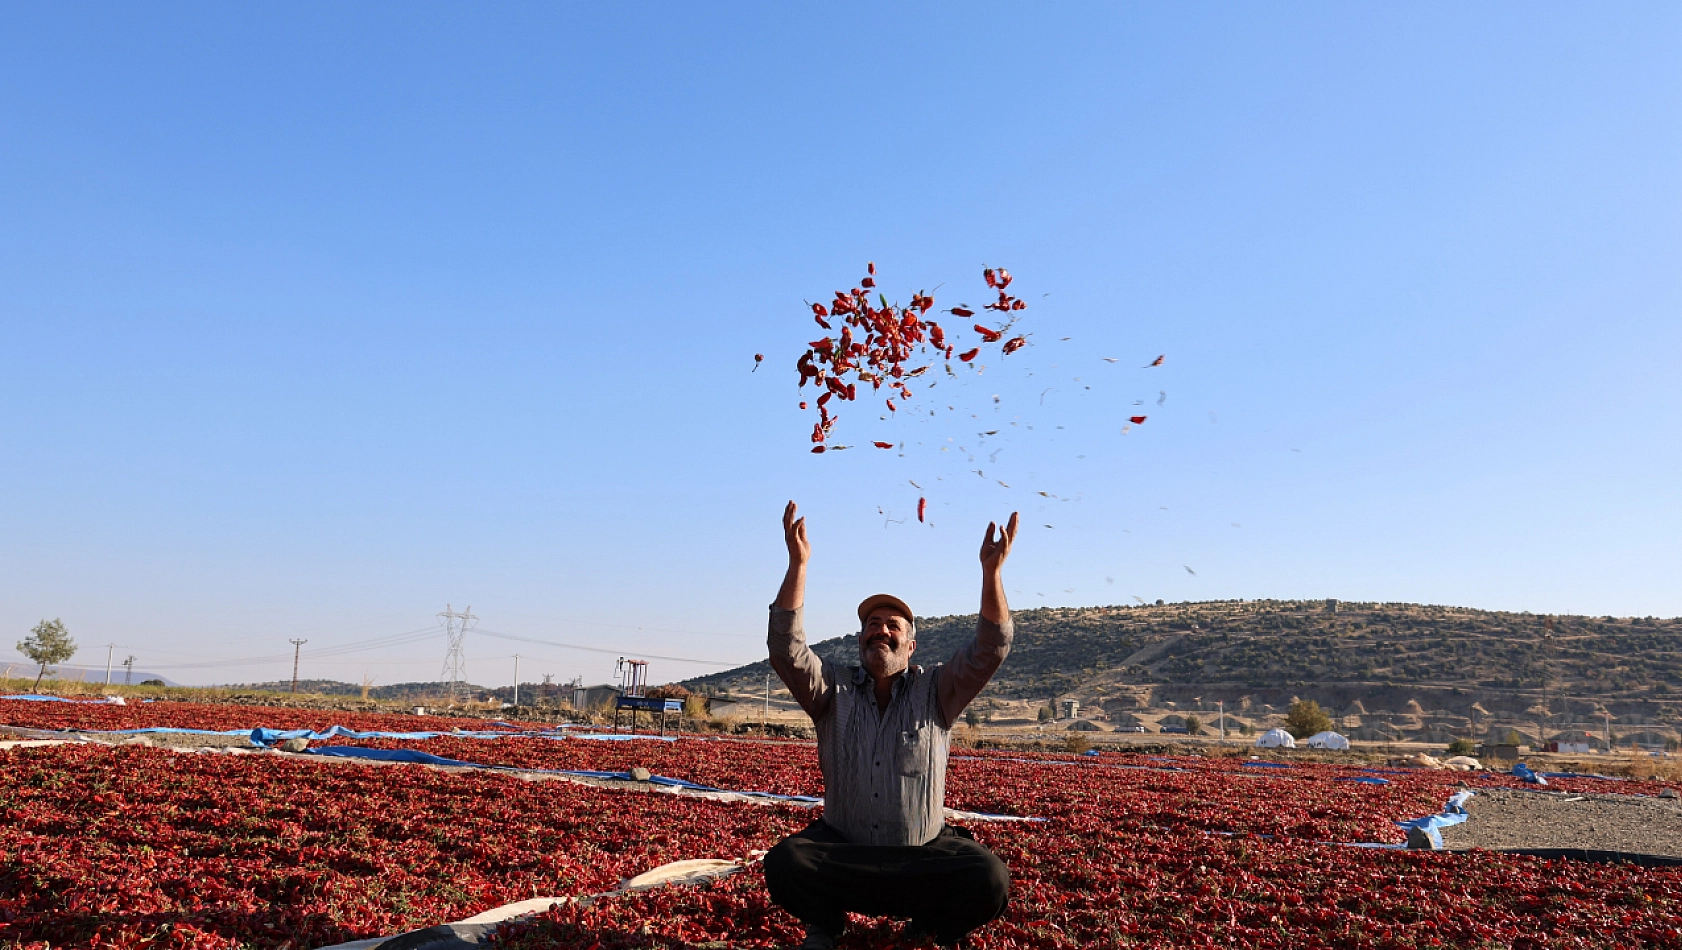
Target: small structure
(1276,739)
(591,697)
(1505,752)
(1328,740)
(633,689)
(1071,708)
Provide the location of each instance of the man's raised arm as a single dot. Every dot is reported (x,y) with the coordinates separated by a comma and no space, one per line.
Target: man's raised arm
(798,667)
(975,662)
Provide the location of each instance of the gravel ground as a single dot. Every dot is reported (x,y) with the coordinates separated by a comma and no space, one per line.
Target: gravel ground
(1506,818)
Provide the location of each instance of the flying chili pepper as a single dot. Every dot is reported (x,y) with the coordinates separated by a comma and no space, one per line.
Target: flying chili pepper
(966,357)
(883,445)
(922,506)
(1156,362)
(962,312)
(1014,344)
(1136,420)
(757,359)
(987,336)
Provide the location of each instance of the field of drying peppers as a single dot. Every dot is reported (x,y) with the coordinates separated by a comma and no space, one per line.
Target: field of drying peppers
(135,846)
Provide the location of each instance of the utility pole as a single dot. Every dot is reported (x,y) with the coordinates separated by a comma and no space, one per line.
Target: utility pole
(109,647)
(516,681)
(456,626)
(1547,666)
(765,706)
(128,665)
(297,645)
(1220,704)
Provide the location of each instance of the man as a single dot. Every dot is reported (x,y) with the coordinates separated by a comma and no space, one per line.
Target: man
(882,846)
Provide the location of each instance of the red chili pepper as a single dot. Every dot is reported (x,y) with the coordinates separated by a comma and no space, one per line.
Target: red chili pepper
(922,505)
(962,312)
(884,445)
(1014,344)
(817,450)
(1136,420)
(966,357)
(987,336)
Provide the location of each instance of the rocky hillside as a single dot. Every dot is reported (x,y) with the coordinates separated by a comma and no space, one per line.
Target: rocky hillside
(1405,664)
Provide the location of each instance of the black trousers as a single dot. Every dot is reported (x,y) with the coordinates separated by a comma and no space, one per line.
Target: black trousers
(947,887)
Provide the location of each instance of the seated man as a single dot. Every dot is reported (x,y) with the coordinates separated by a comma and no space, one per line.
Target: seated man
(882,846)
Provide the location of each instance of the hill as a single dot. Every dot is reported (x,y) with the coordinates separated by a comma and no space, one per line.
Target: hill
(1395,666)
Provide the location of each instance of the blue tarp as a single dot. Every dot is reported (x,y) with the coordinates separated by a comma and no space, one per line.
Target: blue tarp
(30,697)
(1453,813)
(1524,772)
(393,755)
(1364,780)
(417,756)
(1268,765)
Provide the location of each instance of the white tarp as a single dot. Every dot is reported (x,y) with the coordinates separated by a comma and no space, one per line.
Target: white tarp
(1276,739)
(1327,740)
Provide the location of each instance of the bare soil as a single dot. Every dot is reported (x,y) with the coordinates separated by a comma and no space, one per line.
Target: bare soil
(1503,819)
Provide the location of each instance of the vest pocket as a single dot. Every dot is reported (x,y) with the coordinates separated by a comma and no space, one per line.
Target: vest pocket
(912,756)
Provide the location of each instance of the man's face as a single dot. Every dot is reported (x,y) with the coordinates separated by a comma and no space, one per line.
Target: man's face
(885,646)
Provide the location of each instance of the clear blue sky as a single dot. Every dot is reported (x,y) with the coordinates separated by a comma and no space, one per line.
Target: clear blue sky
(316,318)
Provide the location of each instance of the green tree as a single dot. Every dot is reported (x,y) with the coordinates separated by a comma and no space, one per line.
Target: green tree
(47,643)
(972,717)
(1046,714)
(1461,747)
(1194,726)
(1306,718)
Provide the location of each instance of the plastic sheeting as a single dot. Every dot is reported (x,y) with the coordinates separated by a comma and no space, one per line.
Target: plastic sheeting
(1453,813)
(1524,772)
(1365,780)
(32,698)
(415,756)
(425,758)
(1276,739)
(1327,740)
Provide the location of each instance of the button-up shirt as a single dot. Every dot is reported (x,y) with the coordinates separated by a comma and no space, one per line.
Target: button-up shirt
(884,769)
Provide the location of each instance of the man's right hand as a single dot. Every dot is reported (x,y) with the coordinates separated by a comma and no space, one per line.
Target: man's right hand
(794,535)
(792,595)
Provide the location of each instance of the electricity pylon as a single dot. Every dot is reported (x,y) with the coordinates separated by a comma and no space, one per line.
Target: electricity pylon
(456,626)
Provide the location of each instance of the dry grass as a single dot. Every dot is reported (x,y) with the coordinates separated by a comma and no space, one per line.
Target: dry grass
(1645,766)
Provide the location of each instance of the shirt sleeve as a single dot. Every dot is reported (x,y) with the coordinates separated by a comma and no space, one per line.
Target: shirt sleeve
(796,665)
(962,677)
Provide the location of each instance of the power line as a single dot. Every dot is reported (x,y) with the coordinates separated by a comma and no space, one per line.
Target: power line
(620,652)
